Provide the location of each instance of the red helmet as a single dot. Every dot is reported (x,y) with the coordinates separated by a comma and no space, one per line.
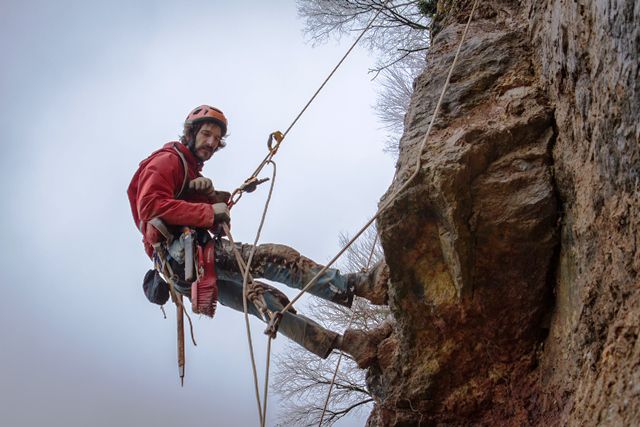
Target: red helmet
(207,113)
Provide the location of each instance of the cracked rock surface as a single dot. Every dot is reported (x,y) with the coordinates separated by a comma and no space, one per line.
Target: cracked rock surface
(513,253)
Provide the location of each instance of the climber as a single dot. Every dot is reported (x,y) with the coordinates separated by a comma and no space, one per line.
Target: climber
(170,199)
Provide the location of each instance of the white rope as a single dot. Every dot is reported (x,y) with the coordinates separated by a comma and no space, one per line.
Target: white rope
(245,268)
(395,195)
(418,166)
(273,151)
(384,206)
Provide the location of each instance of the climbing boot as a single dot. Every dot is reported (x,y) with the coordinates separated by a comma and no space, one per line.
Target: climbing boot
(372,285)
(361,345)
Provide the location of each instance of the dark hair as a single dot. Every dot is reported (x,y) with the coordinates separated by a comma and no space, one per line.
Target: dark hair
(190,131)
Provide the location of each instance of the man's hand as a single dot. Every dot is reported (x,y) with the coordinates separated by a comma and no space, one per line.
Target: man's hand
(221,213)
(221,196)
(201,185)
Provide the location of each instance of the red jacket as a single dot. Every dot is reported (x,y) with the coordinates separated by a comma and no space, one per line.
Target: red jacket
(154,189)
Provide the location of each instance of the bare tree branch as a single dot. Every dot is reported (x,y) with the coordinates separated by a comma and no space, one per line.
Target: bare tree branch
(303,379)
(400,36)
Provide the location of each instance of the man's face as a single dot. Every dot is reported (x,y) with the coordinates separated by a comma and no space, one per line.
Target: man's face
(207,140)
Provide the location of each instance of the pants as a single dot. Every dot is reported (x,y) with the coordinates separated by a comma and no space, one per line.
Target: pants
(282,264)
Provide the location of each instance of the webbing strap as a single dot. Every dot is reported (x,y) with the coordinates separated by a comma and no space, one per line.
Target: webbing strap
(186,171)
(162,228)
(157,222)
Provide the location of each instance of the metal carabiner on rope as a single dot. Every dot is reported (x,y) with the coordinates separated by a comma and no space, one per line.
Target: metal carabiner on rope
(248,186)
(251,183)
(278,136)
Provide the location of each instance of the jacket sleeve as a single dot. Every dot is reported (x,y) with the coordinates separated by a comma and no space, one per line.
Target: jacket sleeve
(160,179)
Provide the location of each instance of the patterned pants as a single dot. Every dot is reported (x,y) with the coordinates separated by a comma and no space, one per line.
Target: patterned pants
(280,263)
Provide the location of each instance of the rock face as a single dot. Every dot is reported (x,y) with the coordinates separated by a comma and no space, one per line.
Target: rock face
(589,59)
(513,253)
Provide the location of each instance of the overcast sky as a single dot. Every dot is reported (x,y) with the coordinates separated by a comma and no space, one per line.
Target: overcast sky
(87,90)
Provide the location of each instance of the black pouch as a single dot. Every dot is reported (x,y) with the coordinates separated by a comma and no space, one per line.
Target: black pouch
(155,288)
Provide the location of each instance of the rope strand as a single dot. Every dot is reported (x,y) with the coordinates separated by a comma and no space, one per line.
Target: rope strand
(245,269)
(353,315)
(272,152)
(418,166)
(385,205)
(395,195)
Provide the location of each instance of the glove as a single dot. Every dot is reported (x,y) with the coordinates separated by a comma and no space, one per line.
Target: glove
(221,196)
(221,213)
(201,185)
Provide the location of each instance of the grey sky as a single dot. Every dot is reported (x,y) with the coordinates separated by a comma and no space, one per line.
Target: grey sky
(88,90)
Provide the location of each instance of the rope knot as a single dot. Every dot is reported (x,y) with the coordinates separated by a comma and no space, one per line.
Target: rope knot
(274,324)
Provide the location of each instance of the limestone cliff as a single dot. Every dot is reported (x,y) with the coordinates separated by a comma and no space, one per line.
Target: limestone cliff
(513,255)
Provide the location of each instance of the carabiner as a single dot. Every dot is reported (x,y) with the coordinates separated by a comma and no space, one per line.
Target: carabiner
(278,136)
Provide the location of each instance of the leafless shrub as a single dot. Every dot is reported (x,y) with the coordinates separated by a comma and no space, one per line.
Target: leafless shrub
(303,379)
(400,37)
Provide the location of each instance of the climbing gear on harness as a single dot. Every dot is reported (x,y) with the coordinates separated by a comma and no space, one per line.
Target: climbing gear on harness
(204,292)
(163,266)
(188,242)
(155,288)
(199,266)
(207,113)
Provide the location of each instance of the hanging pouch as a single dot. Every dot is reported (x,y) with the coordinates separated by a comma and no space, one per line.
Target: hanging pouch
(155,288)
